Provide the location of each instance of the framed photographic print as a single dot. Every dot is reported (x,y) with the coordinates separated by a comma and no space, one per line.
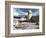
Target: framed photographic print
(24,19)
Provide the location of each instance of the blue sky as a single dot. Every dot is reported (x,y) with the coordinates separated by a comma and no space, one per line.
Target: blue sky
(24,11)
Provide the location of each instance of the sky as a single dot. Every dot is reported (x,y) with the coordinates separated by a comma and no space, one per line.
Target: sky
(24,11)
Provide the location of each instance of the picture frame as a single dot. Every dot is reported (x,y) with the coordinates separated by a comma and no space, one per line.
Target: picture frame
(9,8)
